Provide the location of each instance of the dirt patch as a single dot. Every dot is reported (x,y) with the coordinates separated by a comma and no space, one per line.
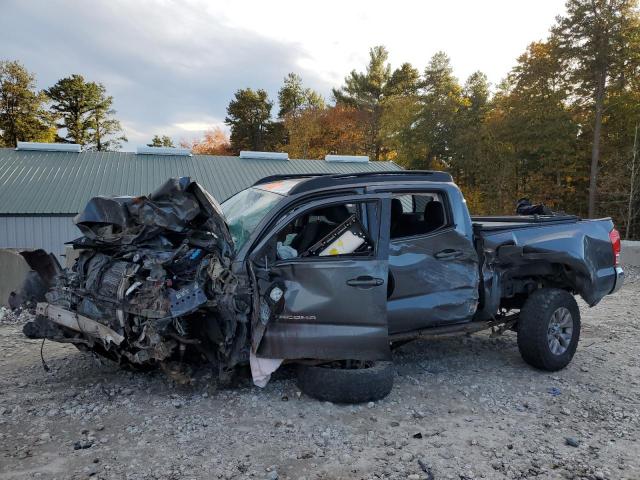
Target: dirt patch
(461,408)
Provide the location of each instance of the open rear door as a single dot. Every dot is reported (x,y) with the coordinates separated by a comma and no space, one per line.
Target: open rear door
(329,301)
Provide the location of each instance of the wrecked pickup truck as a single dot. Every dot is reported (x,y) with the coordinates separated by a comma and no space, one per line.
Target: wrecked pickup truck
(327,271)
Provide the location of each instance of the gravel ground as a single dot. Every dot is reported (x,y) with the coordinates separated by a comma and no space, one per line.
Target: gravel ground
(461,408)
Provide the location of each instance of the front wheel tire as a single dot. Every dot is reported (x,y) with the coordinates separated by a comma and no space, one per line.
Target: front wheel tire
(549,329)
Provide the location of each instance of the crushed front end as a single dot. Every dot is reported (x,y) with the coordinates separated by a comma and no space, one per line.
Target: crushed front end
(152,285)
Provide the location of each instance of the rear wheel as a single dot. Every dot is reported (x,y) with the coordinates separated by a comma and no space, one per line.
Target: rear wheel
(347,381)
(549,329)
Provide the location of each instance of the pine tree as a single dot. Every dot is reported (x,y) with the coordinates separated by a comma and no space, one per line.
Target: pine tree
(400,108)
(535,119)
(23,116)
(161,141)
(592,37)
(365,91)
(467,142)
(440,103)
(86,113)
(293,97)
(249,116)
(106,132)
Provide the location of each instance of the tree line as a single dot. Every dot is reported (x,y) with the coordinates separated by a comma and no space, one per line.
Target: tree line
(559,128)
(73,110)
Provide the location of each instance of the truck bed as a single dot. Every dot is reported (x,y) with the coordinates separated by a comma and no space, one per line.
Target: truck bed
(582,248)
(498,223)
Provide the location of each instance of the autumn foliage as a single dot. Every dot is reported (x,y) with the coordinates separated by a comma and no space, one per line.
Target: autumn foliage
(316,132)
(214,142)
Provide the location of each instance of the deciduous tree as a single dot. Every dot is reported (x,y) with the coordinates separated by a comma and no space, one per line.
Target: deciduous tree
(214,142)
(317,132)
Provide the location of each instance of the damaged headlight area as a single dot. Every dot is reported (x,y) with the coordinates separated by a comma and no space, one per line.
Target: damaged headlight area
(152,284)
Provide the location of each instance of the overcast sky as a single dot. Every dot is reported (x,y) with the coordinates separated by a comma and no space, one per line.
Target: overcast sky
(173,66)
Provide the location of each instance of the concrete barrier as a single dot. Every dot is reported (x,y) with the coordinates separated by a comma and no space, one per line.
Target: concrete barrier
(630,254)
(27,273)
(14,271)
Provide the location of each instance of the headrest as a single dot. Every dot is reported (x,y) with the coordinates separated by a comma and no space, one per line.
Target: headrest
(434,213)
(396,208)
(335,214)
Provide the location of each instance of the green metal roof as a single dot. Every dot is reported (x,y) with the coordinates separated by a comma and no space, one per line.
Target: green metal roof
(46,183)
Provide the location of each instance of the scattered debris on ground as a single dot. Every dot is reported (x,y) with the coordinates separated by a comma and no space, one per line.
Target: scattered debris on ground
(18,316)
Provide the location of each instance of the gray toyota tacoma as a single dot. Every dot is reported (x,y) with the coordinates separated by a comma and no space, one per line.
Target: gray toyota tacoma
(327,271)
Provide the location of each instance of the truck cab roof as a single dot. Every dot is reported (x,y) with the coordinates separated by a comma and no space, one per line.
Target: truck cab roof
(300,183)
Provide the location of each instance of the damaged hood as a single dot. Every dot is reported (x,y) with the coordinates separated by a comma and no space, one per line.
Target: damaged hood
(179,206)
(153,282)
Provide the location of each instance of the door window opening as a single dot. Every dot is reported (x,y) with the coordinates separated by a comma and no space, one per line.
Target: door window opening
(326,231)
(417,214)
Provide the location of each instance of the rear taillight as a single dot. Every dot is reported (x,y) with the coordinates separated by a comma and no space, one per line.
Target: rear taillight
(614,236)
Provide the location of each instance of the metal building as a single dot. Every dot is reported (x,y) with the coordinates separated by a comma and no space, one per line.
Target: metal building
(41,190)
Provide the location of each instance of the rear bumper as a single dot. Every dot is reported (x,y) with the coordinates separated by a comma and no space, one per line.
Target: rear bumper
(619,279)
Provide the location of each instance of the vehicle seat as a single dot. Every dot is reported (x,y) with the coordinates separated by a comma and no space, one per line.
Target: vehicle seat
(396,217)
(304,239)
(433,216)
(335,214)
(315,230)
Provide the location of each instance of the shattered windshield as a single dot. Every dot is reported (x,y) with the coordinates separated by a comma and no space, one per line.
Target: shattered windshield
(244,211)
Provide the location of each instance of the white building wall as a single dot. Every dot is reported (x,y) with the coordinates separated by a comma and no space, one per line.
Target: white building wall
(46,232)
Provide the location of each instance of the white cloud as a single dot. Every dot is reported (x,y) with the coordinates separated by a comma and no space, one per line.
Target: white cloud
(336,36)
(172,66)
(193,126)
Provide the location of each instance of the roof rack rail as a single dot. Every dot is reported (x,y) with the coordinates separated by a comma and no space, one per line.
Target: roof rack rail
(322,180)
(287,176)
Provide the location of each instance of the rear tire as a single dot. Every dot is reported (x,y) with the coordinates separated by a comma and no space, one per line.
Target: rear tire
(549,329)
(345,385)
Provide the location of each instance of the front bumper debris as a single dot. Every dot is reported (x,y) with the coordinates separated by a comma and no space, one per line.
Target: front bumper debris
(79,323)
(153,283)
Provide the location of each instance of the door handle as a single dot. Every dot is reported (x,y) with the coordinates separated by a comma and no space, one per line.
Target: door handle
(365,281)
(448,254)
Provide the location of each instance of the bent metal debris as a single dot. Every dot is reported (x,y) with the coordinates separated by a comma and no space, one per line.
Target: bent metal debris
(153,284)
